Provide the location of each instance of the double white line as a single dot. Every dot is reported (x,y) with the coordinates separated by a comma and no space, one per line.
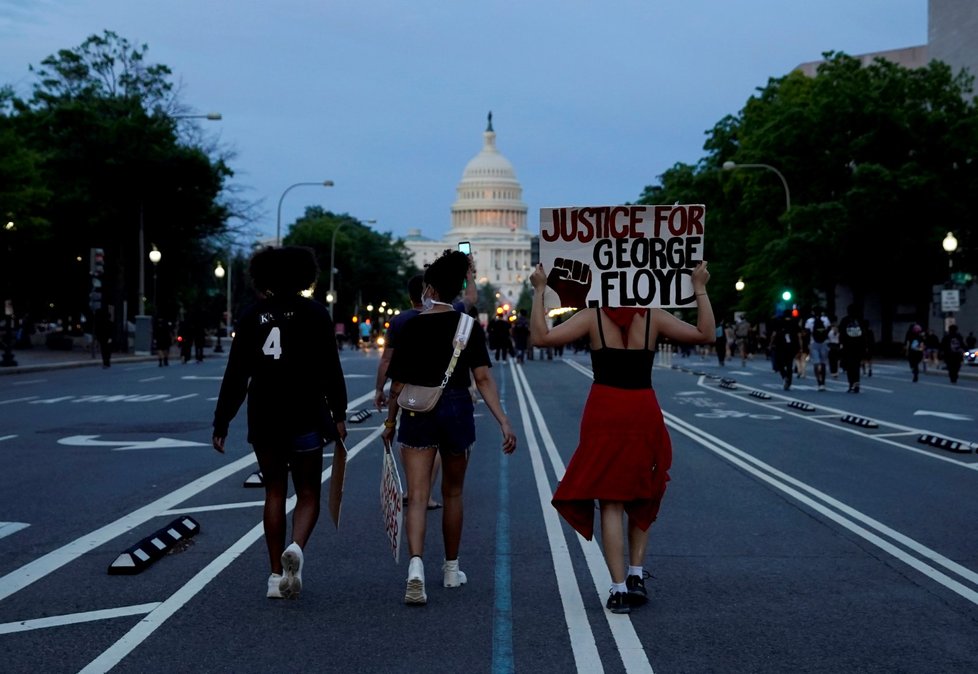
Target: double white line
(633,655)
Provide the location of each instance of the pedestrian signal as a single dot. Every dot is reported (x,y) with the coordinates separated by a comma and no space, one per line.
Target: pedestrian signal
(96,261)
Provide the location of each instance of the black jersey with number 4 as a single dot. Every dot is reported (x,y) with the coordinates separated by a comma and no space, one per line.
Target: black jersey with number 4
(284,358)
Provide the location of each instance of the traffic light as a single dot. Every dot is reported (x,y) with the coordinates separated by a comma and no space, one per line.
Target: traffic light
(786,295)
(354,319)
(794,311)
(96,267)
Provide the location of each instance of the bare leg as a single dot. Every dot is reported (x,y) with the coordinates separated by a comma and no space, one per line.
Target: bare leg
(307,469)
(276,476)
(638,540)
(612,539)
(417,468)
(453,479)
(434,478)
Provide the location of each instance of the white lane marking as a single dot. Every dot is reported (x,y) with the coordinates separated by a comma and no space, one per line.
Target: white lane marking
(211,508)
(33,571)
(75,618)
(173,400)
(7,437)
(877,437)
(943,415)
(150,379)
(630,648)
(29,381)
(198,377)
(114,654)
(158,443)
(51,401)
(17,400)
(582,641)
(7,528)
(781,481)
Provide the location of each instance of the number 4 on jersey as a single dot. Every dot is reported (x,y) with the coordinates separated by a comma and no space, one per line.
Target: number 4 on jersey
(273,344)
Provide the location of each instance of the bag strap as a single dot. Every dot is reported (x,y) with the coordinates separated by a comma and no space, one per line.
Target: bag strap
(465,323)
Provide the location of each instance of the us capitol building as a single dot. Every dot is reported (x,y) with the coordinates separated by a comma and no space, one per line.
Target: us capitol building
(490,214)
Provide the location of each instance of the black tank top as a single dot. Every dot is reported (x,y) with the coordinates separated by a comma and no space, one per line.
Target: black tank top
(623,368)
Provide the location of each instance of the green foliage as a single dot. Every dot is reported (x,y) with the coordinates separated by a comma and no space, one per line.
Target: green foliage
(370,267)
(881,161)
(94,153)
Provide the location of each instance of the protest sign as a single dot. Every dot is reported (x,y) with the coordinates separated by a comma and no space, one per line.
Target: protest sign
(336,480)
(622,256)
(392,502)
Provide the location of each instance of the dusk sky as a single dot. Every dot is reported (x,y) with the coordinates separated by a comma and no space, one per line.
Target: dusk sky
(590,100)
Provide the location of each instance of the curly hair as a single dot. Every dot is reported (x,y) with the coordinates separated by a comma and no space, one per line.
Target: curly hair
(447,273)
(284,271)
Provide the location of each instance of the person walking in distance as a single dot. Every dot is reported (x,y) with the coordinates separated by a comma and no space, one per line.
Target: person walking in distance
(817,326)
(785,344)
(952,351)
(742,333)
(624,452)
(163,336)
(915,349)
(852,338)
(285,361)
(835,347)
(103,335)
(425,352)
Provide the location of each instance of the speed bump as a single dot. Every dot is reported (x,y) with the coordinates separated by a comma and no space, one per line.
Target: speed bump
(860,421)
(804,407)
(948,444)
(760,394)
(145,552)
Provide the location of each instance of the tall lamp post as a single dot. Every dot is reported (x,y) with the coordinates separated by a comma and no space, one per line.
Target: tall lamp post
(8,310)
(731,166)
(951,296)
(155,256)
(220,273)
(331,293)
(278,219)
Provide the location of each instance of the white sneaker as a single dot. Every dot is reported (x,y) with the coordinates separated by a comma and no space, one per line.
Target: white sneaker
(291,583)
(273,582)
(453,577)
(415,593)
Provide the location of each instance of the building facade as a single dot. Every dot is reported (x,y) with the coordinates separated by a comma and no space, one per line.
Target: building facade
(490,214)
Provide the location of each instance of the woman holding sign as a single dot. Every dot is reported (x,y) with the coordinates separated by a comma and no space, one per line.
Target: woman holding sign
(624,453)
(425,357)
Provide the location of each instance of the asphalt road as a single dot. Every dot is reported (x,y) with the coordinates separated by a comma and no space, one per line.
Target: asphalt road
(789,540)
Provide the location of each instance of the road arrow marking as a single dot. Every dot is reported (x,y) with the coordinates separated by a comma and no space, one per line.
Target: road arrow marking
(158,443)
(942,415)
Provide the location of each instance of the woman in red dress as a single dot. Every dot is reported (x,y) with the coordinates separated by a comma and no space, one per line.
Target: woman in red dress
(624,453)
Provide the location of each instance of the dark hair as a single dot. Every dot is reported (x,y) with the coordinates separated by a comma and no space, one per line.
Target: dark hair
(447,273)
(284,271)
(415,287)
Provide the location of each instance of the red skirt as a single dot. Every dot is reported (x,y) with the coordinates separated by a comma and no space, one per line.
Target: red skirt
(624,455)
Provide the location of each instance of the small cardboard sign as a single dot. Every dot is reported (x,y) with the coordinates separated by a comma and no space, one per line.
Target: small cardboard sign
(336,479)
(392,502)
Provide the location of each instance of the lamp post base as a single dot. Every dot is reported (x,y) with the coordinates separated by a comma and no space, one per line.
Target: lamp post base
(8,359)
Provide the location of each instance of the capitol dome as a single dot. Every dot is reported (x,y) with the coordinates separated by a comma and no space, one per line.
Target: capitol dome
(489,197)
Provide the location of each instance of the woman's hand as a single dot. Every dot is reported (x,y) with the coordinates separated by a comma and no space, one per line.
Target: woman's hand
(509,438)
(701,276)
(388,435)
(341,429)
(538,279)
(218,443)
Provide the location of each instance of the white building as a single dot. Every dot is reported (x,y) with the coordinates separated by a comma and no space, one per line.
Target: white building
(488,212)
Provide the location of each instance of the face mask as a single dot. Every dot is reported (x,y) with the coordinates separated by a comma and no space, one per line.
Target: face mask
(427,303)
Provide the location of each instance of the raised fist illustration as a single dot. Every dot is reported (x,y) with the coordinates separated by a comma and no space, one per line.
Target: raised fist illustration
(571,280)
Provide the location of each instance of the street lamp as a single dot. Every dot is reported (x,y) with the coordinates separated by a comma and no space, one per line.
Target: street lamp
(331,293)
(278,220)
(950,245)
(8,309)
(740,285)
(730,166)
(155,256)
(220,273)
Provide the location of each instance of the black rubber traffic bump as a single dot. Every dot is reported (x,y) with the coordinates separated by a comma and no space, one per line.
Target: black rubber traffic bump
(948,444)
(860,421)
(360,417)
(760,394)
(713,376)
(728,383)
(145,552)
(804,407)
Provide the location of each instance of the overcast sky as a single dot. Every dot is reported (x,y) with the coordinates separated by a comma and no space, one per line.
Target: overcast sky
(591,100)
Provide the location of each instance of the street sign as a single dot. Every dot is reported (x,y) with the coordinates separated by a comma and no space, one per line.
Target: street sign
(951,300)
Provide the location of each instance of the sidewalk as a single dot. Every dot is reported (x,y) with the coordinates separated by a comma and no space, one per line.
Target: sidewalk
(42,358)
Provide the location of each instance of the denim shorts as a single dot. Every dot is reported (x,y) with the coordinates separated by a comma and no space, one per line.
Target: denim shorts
(819,352)
(450,427)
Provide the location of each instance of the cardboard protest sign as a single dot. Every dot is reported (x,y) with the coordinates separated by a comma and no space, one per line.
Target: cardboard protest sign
(622,256)
(392,502)
(336,479)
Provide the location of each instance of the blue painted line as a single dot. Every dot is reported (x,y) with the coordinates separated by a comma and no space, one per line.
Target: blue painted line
(502,616)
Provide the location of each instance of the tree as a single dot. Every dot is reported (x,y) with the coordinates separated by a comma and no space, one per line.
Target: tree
(879,158)
(370,267)
(112,161)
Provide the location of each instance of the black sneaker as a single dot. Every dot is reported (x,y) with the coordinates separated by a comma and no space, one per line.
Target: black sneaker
(618,603)
(637,595)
